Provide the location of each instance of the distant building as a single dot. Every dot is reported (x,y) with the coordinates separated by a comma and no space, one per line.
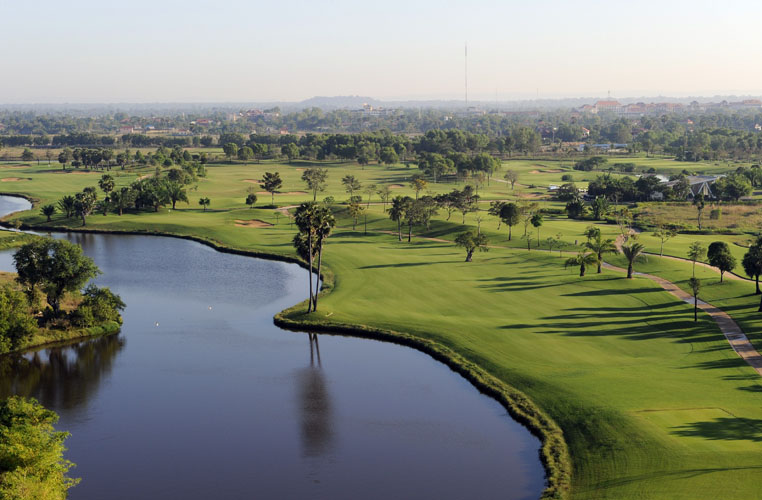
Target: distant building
(126,130)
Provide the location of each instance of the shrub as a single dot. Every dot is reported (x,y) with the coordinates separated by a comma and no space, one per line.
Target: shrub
(715,214)
(98,305)
(16,323)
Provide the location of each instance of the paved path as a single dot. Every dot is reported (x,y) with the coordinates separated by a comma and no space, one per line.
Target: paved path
(733,333)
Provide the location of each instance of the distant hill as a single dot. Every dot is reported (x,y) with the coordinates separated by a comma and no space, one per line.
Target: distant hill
(338,102)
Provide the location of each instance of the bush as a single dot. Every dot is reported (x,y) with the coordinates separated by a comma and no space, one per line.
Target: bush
(16,323)
(567,178)
(98,306)
(715,214)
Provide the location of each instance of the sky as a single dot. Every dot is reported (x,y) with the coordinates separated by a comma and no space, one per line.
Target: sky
(86,51)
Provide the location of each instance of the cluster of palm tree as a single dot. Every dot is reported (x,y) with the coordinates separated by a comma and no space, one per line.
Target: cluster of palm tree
(596,247)
(315,223)
(148,193)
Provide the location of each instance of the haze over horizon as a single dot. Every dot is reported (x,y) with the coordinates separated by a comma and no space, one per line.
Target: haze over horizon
(199,52)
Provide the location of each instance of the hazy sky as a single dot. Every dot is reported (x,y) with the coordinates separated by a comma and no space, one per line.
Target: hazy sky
(217,51)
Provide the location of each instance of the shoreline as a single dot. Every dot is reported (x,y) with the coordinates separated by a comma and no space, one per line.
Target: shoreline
(554,453)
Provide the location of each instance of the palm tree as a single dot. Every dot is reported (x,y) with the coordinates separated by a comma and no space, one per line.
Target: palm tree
(632,252)
(599,246)
(106,183)
(397,213)
(48,211)
(695,285)
(582,259)
(66,204)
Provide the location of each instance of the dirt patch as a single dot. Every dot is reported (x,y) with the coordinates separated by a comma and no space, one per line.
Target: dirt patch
(299,170)
(144,177)
(396,186)
(535,172)
(292,193)
(530,196)
(252,181)
(14,166)
(14,179)
(252,223)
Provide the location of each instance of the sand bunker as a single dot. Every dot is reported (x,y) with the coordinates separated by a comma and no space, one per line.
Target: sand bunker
(13,179)
(252,223)
(396,186)
(535,172)
(292,193)
(300,169)
(252,181)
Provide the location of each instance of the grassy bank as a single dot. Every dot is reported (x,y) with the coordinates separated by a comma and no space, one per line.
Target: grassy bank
(650,404)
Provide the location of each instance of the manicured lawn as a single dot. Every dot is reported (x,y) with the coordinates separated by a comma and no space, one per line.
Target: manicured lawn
(652,404)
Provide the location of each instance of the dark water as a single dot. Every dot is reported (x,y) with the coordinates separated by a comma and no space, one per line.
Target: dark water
(202,397)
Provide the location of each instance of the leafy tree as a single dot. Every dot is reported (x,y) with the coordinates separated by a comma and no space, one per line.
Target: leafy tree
(67,205)
(245,153)
(351,184)
(554,241)
(537,222)
(511,176)
(389,156)
(85,203)
(291,150)
(567,192)
(699,203)
(355,210)
(27,155)
(384,192)
(696,252)
(752,262)
(369,190)
(695,285)
(494,209)
(510,215)
(175,192)
(600,206)
(632,252)
(582,259)
(56,266)
(471,242)
(122,199)
(16,324)
(466,201)
(204,202)
(315,179)
(31,452)
(435,165)
(271,182)
(720,257)
(231,150)
(418,184)
(664,233)
(575,209)
(599,246)
(48,211)
(64,157)
(251,199)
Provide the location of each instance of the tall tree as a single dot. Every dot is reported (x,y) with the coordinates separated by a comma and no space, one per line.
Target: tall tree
(48,211)
(397,212)
(384,192)
(695,285)
(176,192)
(315,179)
(699,203)
(511,176)
(85,203)
(537,222)
(696,252)
(315,223)
(752,262)
(664,233)
(351,184)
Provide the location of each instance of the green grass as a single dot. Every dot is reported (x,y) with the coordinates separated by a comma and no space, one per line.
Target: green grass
(652,405)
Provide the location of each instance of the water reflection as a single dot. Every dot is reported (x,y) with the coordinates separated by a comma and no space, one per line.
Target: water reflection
(63,376)
(315,405)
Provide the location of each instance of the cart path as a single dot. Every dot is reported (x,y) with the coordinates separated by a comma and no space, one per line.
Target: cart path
(733,333)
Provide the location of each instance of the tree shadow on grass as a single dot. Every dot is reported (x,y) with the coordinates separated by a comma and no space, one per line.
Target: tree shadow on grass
(724,428)
(404,264)
(751,388)
(608,291)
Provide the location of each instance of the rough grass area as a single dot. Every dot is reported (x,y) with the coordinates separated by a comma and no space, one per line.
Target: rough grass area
(651,404)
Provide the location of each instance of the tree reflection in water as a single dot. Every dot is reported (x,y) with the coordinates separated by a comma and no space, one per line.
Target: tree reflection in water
(60,377)
(315,405)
